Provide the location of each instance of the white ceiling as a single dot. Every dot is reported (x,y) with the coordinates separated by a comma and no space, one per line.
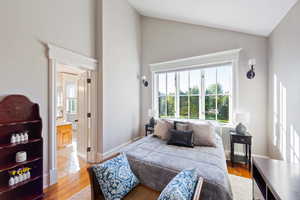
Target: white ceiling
(257,17)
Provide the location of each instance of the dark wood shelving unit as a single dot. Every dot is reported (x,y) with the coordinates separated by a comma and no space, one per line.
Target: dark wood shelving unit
(18,114)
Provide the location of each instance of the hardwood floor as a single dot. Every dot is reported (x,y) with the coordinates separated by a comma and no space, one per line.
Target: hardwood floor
(68,186)
(68,162)
(72,184)
(239,170)
(72,174)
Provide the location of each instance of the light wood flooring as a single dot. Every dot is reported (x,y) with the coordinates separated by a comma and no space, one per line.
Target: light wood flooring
(239,170)
(72,184)
(68,162)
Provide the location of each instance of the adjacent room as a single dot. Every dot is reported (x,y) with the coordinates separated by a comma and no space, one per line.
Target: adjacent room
(152,100)
(71,137)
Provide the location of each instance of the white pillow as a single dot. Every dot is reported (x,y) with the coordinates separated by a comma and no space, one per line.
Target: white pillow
(204,134)
(216,125)
(182,126)
(161,129)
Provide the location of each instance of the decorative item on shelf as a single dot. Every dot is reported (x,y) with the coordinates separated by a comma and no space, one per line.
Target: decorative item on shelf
(151,115)
(22,139)
(145,82)
(26,136)
(13,139)
(251,72)
(18,138)
(16,177)
(21,156)
(28,174)
(240,119)
(20,175)
(11,180)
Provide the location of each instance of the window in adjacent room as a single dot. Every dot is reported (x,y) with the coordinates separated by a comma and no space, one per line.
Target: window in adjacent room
(198,93)
(71,100)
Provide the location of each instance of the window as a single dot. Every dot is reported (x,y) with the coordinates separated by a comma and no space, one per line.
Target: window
(71,100)
(200,93)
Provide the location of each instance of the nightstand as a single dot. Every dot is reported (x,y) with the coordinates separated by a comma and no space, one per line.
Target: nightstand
(149,129)
(241,139)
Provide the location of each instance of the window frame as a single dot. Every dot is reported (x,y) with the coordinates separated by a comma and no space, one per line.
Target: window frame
(71,85)
(200,62)
(69,106)
(201,94)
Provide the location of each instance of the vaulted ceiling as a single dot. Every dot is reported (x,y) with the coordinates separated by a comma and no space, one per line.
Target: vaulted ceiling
(258,17)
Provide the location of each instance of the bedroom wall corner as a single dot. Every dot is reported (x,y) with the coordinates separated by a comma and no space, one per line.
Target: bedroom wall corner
(284,88)
(121,66)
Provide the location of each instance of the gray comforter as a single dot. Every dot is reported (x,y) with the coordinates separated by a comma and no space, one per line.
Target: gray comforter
(156,163)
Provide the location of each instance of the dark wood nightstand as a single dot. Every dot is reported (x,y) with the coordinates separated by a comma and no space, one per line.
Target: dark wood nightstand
(149,129)
(241,139)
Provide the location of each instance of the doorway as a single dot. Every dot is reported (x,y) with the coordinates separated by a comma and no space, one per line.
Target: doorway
(71,140)
(72,112)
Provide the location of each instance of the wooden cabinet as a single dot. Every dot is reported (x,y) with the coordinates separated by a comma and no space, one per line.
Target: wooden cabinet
(64,135)
(18,114)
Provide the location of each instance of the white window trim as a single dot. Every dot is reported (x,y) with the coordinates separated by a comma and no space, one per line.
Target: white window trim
(229,56)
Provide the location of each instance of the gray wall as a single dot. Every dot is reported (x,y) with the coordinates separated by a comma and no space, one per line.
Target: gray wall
(121,53)
(284,62)
(25,26)
(167,40)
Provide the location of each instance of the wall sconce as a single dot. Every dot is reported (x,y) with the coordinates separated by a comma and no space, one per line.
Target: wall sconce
(251,73)
(145,82)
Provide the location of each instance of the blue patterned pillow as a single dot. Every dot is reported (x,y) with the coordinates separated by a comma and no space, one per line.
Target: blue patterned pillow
(115,177)
(182,187)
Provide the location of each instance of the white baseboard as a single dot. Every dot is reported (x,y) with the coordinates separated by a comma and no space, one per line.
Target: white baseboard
(260,156)
(115,150)
(45,180)
(92,157)
(98,157)
(52,176)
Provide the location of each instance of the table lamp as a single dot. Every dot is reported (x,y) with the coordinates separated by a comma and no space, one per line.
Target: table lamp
(151,115)
(242,119)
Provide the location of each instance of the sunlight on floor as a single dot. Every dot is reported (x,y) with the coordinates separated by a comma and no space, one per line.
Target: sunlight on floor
(68,161)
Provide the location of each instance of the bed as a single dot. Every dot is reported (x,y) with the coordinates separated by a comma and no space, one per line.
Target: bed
(156,163)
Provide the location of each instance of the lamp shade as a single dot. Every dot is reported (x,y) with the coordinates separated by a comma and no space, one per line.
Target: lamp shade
(150,113)
(242,118)
(252,62)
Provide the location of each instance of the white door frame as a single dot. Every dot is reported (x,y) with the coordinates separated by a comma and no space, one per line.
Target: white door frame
(58,55)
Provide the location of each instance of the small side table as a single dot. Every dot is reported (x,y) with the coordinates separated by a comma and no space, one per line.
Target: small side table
(241,139)
(149,129)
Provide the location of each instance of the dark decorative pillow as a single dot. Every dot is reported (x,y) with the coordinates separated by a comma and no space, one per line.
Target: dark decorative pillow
(181,138)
